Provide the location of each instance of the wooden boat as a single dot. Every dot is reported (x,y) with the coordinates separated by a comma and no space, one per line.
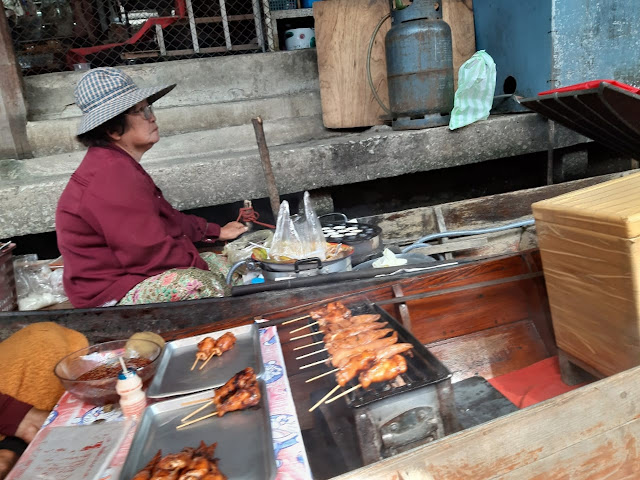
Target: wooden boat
(482,318)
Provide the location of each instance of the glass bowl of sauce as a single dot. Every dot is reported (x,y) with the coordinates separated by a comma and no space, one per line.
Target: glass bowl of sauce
(91,374)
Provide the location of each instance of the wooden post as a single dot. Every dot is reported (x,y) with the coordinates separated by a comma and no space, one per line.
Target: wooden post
(272,188)
(13,111)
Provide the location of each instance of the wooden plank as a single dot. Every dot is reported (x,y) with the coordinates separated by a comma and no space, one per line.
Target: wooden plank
(491,352)
(454,246)
(343,30)
(556,439)
(459,15)
(405,226)
(174,320)
(470,311)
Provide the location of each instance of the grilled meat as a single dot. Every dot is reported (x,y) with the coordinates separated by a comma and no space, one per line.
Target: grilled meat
(355,365)
(189,464)
(145,473)
(347,332)
(239,381)
(176,461)
(206,347)
(353,322)
(340,357)
(335,310)
(357,339)
(365,360)
(226,342)
(383,370)
(249,396)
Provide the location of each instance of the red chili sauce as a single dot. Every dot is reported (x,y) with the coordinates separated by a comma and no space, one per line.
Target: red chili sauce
(112,369)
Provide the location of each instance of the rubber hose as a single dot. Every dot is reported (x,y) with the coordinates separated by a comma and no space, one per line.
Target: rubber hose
(369,78)
(462,233)
(236,266)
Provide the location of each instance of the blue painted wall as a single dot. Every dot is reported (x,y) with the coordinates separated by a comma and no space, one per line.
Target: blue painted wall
(516,33)
(596,39)
(545,44)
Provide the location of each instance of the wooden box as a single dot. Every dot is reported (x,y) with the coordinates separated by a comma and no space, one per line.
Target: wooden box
(590,246)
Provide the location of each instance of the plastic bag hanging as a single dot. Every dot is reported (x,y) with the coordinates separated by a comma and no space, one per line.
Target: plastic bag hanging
(476,86)
(298,237)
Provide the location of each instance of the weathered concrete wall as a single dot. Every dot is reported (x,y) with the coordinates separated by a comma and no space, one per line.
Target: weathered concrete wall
(29,190)
(199,81)
(210,93)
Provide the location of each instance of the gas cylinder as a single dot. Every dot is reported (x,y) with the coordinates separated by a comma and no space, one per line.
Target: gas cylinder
(419,66)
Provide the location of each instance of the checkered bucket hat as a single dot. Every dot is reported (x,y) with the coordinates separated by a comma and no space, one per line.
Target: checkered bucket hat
(104,93)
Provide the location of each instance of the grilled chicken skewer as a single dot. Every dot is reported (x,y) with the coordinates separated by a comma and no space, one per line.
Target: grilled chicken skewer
(209,346)
(366,360)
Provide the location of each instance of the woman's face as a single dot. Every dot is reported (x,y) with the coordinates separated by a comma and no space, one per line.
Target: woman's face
(141,132)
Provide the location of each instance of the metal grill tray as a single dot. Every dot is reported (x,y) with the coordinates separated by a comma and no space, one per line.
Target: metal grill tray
(423,368)
(245,445)
(174,377)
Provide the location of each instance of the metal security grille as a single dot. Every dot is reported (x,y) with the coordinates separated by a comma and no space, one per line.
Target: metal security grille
(58,35)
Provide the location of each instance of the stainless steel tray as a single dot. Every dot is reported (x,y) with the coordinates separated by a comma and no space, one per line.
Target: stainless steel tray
(174,377)
(245,445)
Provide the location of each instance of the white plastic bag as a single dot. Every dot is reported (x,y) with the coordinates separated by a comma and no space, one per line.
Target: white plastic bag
(298,237)
(37,286)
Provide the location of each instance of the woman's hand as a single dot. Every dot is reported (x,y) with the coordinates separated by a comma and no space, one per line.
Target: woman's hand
(8,459)
(231,231)
(31,423)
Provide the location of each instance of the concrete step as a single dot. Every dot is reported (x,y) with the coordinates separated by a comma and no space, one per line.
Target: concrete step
(217,167)
(210,93)
(55,136)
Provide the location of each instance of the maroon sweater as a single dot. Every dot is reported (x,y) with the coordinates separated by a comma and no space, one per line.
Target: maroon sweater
(115,229)
(12,412)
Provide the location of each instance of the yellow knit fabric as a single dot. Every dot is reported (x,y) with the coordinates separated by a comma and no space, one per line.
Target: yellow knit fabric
(28,357)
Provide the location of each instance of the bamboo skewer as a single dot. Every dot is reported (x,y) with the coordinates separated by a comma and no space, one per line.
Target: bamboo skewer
(321,375)
(206,361)
(306,335)
(194,364)
(210,402)
(343,393)
(324,398)
(310,345)
(191,422)
(295,320)
(302,328)
(194,402)
(312,353)
(312,364)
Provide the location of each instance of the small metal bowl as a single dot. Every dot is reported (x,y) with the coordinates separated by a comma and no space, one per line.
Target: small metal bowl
(102,361)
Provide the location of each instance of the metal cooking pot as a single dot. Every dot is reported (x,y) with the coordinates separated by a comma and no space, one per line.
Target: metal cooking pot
(307,267)
(366,239)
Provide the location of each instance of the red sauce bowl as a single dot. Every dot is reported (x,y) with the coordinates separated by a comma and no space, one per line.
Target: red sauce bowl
(91,374)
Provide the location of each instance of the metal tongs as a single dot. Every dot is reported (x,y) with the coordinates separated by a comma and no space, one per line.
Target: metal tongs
(4,245)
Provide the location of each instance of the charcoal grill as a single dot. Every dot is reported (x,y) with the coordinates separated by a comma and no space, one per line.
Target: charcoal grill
(415,408)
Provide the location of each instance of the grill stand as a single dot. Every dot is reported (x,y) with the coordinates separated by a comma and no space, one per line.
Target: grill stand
(402,422)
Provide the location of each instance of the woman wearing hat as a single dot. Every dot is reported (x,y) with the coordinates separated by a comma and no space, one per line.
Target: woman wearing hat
(121,241)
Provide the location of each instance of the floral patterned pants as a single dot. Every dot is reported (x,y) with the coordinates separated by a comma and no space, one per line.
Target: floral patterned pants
(184,283)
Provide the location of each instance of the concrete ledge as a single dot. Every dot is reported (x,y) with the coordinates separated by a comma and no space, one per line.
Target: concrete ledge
(29,190)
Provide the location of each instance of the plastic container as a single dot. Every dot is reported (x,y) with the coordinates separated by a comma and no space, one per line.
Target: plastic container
(133,400)
(102,391)
(308,3)
(299,38)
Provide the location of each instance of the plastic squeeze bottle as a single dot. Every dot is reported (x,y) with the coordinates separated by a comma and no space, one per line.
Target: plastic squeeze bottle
(129,386)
